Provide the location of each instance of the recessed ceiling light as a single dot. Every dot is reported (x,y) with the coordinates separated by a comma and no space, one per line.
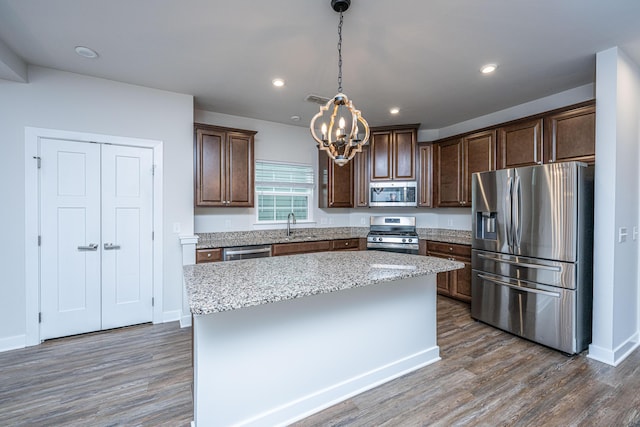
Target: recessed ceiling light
(277,82)
(394,110)
(86,52)
(488,69)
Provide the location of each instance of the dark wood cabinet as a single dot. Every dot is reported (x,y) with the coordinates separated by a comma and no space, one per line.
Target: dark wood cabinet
(345,244)
(455,160)
(208,255)
(335,183)
(300,247)
(479,155)
(455,284)
(447,165)
(361,178)
(392,153)
(224,166)
(520,144)
(425,174)
(571,135)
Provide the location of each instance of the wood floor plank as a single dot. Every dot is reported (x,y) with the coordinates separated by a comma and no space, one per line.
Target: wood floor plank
(142,376)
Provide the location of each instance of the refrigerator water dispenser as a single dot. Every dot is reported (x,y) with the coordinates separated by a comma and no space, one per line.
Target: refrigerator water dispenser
(486,225)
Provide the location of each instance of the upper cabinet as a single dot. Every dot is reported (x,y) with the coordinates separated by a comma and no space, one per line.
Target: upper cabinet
(455,160)
(224,166)
(393,153)
(425,174)
(335,182)
(520,144)
(361,178)
(571,135)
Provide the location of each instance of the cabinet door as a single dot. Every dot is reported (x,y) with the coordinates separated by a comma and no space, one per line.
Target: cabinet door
(239,162)
(335,183)
(443,283)
(448,177)
(425,186)
(380,155)
(571,135)
(210,168)
(460,287)
(404,153)
(479,156)
(361,178)
(520,144)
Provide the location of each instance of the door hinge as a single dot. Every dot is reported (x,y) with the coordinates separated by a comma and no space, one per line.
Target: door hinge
(153,235)
(39,160)
(40,317)
(39,240)
(153,170)
(153,302)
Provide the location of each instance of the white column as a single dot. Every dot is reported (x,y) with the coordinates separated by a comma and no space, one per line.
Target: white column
(188,258)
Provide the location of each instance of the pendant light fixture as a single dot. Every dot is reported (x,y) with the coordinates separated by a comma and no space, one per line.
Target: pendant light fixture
(342,131)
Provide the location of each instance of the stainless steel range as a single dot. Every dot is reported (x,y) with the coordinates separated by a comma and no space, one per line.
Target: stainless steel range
(393,234)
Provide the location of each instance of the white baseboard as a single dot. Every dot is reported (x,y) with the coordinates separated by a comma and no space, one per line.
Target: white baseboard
(171,316)
(615,356)
(12,343)
(185,321)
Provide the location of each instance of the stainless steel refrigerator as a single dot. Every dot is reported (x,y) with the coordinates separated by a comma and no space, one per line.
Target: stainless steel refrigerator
(532,253)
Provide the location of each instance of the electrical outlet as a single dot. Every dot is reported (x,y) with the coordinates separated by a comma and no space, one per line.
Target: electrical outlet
(227,224)
(449,222)
(323,221)
(622,234)
(635,232)
(363,221)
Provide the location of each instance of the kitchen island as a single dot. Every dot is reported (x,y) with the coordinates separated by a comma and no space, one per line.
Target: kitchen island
(277,339)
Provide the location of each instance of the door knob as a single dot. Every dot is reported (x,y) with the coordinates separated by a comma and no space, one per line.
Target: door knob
(89,247)
(110,246)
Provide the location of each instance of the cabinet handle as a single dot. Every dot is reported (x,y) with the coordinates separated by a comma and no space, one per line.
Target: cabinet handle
(208,255)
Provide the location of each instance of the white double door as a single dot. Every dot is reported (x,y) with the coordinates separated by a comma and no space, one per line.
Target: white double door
(96,221)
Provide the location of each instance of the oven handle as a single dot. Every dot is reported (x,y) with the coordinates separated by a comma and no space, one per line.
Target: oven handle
(518,288)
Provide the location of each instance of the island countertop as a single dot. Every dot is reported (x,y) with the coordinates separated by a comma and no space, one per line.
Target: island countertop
(231,285)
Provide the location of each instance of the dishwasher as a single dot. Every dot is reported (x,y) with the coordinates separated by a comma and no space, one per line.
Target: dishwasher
(246,252)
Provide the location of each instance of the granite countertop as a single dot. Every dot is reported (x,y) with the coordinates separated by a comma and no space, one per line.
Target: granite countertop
(268,237)
(224,286)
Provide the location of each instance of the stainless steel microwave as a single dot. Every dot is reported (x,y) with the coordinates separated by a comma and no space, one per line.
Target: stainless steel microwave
(392,193)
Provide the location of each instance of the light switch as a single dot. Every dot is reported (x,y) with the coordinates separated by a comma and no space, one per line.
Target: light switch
(176,227)
(622,234)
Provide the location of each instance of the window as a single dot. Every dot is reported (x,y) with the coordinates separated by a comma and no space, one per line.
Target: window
(282,188)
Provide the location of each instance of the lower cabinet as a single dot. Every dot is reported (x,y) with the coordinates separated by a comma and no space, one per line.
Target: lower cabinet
(317,246)
(208,255)
(455,284)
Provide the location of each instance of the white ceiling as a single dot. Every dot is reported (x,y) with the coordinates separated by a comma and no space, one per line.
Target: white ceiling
(422,56)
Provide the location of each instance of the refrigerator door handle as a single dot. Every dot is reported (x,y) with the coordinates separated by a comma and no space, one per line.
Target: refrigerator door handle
(522,264)
(518,288)
(517,213)
(508,216)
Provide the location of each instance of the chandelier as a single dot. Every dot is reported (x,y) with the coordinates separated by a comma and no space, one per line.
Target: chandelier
(342,137)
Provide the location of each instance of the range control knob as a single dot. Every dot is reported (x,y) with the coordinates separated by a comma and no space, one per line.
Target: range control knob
(410,240)
(404,240)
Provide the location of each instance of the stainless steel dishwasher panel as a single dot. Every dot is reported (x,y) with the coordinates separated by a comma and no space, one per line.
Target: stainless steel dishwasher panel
(246,252)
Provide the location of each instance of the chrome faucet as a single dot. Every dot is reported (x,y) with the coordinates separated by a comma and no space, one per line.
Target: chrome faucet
(291,215)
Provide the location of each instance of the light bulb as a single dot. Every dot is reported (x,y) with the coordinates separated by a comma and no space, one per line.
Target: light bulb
(341,123)
(324,131)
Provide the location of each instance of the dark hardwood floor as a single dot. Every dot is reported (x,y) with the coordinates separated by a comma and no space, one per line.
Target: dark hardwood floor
(142,376)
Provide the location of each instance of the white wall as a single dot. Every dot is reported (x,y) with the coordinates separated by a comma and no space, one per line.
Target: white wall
(65,101)
(616,300)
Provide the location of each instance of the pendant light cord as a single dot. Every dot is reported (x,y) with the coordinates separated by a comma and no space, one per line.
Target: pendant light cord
(340,55)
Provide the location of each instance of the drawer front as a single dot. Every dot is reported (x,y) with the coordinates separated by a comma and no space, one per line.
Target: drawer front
(446,249)
(300,248)
(340,244)
(208,255)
